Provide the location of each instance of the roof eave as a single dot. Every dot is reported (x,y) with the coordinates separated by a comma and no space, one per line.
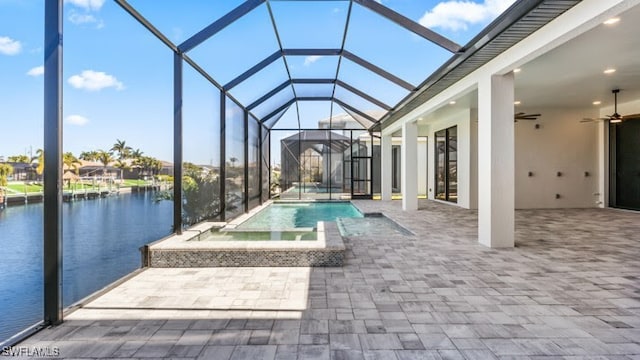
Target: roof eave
(481,49)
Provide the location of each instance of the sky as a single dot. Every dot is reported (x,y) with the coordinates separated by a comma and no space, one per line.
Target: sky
(118,78)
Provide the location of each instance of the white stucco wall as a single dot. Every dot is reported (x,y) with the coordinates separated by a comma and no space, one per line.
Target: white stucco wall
(561,144)
(424,159)
(467,194)
(422,166)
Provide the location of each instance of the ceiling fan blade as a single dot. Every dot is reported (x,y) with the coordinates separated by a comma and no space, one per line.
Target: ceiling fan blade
(519,114)
(631,116)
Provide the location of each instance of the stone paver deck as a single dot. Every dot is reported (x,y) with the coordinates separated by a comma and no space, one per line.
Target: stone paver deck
(570,289)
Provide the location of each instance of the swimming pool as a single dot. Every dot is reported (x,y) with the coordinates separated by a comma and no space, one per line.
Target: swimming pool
(301,235)
(371,225)
(286,216)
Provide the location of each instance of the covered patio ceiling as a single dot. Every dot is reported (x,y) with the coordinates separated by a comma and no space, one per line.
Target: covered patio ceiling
(357,68)
(552,80)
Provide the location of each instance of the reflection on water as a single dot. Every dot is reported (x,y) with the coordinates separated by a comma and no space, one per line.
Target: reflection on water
(100,240)
(371,226)
(286,216)
(262,236)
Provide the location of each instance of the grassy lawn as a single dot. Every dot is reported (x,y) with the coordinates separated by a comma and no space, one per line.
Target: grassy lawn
(19,187)
(129,183)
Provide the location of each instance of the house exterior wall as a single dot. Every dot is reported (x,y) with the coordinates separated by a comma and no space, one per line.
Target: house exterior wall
(467,161)
(562,145)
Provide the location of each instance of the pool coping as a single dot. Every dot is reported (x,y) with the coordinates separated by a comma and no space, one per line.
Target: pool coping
(190,249)
(329,238)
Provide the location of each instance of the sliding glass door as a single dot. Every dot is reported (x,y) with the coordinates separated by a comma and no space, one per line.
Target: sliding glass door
(446,158)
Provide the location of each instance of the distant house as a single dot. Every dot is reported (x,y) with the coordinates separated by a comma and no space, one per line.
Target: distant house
(135,172)
(23,171)
(167,168)
(96,169)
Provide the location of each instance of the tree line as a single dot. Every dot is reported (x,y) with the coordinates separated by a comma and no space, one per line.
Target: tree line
(120,156)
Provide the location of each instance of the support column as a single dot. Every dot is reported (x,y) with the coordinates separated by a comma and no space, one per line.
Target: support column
(496,161)
(431,160)
(386,167)
(603,164)
(177,143)
(409,168)
(52,175)
(246,197)
(223,156)
(260,161)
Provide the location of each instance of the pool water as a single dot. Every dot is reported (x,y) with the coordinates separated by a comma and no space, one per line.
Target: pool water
(370,226)
(263,236)
(285,216)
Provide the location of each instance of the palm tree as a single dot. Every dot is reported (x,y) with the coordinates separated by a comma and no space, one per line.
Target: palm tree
(18,159)
(39,158)
(88,155)
(136,154)
(120,147)
(71,162)
(104,157)
(156,167)
(5,171)
(122,165)
(147,165)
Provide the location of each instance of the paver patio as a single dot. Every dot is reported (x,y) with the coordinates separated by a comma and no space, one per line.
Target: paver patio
(569,289)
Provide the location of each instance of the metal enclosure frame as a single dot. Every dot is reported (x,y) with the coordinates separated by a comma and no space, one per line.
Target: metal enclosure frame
(523,18)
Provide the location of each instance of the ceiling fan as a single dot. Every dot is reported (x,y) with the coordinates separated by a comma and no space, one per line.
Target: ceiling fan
(523,116)
(615,117)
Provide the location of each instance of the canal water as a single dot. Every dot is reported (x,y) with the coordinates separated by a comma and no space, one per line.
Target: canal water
(101,239)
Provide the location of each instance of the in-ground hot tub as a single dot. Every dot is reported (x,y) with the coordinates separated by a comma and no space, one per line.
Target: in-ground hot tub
(277,234)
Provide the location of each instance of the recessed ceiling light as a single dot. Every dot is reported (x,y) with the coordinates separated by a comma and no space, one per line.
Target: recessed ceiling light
(517,102)
(452,102)
(612,21)
(597,102)
(610,71)
(515,71)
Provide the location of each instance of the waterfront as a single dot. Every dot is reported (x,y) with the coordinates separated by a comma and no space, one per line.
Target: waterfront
(101,238)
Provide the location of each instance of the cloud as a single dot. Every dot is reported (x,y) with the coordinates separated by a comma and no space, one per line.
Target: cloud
(85,17)
(177,34)
(89,5)
(8,46)
(311,59)
(36,71)
(82,19)
(77,120)
(458,15)
(94,81)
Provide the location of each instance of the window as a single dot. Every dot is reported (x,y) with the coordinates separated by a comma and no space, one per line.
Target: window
(395,164)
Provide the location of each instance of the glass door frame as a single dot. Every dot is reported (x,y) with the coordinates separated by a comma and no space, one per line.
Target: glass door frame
(446,169)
